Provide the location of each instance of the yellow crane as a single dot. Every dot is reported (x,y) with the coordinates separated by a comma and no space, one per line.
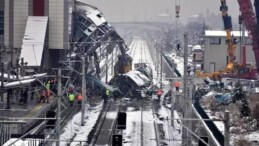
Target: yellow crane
(231,43)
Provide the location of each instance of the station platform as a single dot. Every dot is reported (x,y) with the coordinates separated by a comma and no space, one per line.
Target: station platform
(19,109)
(22,117)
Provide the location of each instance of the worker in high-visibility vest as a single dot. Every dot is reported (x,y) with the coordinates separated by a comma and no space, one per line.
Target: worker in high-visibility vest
(48,85)
(177,85)
(107,92)
(79,99)
(47,95)
(71,99)
(106,95)
(159,93)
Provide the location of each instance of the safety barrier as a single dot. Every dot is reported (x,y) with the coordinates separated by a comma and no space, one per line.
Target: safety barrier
(212,127)
(171,65)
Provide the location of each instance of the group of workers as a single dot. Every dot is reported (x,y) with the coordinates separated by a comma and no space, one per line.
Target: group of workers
(48,89)
(71,99)
(159,91)
(45,95)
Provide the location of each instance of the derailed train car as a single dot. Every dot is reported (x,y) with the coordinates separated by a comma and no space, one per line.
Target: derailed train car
(131,83)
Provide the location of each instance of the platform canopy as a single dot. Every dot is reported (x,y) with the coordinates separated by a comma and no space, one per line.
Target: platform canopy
(34,40)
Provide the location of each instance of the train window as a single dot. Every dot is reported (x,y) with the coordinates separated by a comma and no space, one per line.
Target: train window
(99,15)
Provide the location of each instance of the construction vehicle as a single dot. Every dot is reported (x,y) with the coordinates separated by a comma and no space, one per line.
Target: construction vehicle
(233,69)
(249,19)
(230,40)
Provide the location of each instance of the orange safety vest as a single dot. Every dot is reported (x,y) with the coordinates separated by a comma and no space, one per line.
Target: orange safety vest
(159,92)
(48,93)
(79,97)
(177,84)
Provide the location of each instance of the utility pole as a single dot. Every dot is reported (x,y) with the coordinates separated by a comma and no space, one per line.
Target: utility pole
(185,101)
(185,64)
(112,62)
(240,37)
(157,59)
(177,11)
(2,84)
(226,130)
(83,92)
(189,112)
(17,69)
(59,108)
(22,67)
(172,95)
(106,67)
(161,67)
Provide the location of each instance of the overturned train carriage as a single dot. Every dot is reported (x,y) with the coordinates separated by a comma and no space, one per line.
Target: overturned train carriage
(94,36)
(132,82)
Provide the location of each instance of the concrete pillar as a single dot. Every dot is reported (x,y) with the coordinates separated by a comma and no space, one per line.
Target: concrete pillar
(226,130)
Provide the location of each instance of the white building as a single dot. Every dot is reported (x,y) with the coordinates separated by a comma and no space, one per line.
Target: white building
(216,50)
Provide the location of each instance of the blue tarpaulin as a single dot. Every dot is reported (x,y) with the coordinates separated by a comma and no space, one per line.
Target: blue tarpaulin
(223,97)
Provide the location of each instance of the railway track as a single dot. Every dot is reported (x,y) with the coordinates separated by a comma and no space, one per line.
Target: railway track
(159,128)
(102,132)
(142,128)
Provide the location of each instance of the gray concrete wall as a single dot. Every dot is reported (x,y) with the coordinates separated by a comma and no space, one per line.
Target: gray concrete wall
(21,12)
(2,4)
(17,12)
(7,24)
(58,19)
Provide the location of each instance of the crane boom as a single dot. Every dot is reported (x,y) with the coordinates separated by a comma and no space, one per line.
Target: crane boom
(256,4)
(230,42)
(250,23)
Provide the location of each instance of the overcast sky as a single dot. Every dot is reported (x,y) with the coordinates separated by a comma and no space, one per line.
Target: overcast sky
(148,10)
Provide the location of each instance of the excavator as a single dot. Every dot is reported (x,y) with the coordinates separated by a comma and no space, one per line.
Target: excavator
(232,69)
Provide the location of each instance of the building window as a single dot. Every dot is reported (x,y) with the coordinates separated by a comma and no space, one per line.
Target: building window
(215,40)
(1,22)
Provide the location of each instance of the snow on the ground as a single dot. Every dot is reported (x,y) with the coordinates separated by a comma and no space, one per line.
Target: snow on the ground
(210,94)
(253,136)
(180,63)
(133,132)
(148,128)
(172,133)
(111,115)
(73,127)
(20,142)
